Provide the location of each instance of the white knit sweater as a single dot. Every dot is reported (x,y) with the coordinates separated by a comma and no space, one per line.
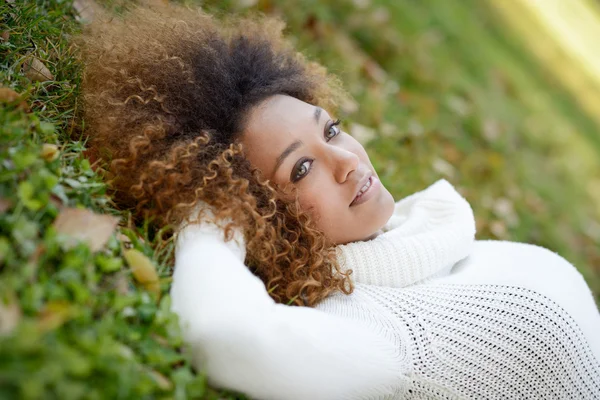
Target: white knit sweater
(434,315)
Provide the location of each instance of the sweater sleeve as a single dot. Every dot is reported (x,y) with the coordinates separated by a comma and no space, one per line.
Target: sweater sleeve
(428,233)
(246,342)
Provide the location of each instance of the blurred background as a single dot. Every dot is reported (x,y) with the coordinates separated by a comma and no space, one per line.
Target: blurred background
(500,97)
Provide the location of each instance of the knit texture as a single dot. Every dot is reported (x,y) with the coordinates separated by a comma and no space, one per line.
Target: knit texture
(480,342)
(428,233)
(507,321)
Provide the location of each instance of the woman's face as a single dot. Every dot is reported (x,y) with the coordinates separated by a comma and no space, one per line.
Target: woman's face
(291,141)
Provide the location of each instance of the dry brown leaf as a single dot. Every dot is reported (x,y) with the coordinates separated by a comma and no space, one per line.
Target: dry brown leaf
(143,270)
(50,152)
(124,239)
(5,35)
(87,226)
(36,71)
(10,96)
(10,315)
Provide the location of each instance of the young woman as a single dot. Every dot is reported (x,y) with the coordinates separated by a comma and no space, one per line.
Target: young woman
(224,131)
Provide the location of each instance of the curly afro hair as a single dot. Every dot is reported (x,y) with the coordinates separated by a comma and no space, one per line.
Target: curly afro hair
(166,94)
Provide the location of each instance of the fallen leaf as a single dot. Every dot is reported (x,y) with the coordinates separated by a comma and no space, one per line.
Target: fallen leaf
(10,96)
(50,152)
(124,239)
(36,71)
(87,226)
(10,315)
(143,270)
(5,35)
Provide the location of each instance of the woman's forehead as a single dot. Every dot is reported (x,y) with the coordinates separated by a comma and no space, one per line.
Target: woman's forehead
(273,126)
(278,110)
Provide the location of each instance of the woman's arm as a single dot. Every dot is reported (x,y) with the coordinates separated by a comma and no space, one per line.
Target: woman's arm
(428,233)
(246,342)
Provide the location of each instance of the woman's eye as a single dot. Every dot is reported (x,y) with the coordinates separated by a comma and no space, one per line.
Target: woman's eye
(333,130)
(301,170)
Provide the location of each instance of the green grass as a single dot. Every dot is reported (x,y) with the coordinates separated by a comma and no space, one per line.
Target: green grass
(447,90)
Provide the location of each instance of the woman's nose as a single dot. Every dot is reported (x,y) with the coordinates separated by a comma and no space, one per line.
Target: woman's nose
(344,163)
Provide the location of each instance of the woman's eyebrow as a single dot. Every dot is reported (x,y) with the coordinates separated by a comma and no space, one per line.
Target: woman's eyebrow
(290,149)
(318,111)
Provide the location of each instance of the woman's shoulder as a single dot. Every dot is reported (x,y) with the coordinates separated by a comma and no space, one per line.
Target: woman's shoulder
(520,264)
(534,268)
(526,255)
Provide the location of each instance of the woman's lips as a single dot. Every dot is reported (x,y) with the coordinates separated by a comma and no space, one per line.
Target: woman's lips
(369,193)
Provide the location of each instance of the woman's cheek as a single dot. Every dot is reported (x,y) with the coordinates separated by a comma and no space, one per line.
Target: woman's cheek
(307,203)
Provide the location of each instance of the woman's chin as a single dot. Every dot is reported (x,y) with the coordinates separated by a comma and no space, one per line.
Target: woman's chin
(373,236)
